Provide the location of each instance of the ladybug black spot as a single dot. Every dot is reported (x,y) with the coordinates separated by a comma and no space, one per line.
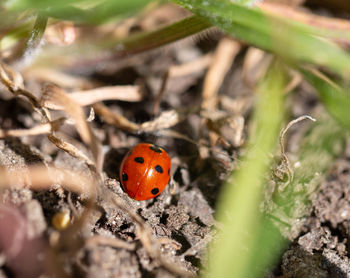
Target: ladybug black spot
(169,172)
(139,159)
(159,169)
(155,149)
(125,177)
(155,191)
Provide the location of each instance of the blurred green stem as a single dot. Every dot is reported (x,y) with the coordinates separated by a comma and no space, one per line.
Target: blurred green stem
(150,40)
(34,39)
(334,97)
(238,207)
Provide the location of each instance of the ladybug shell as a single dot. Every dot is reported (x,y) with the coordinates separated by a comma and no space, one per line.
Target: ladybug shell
(145,171)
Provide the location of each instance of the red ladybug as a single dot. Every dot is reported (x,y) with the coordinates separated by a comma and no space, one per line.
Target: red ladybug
(145,171)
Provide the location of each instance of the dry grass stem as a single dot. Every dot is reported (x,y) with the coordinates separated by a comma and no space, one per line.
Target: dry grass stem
(177,135)
(237,126)
(72,150)
(169,242)
(89,97)
(224,56)
(185,69)
(285,167)
(322,76)
(191,67)
(160,94)
(37,130)
(255,64)
(294,82)
(46,74)
(237,105)
(166,119)
(12,80)
(113,118)
(109,241)
(294,14)
(42,178)
(56,95)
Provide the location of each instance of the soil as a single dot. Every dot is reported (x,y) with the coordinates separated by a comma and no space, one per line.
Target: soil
(182,218)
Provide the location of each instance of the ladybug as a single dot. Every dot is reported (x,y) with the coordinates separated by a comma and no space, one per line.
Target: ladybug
(145,171)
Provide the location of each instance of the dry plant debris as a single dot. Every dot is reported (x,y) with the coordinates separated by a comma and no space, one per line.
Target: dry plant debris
(39,178)
(194,100)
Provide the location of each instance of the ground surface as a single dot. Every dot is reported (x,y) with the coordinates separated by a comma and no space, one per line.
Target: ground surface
(181,219)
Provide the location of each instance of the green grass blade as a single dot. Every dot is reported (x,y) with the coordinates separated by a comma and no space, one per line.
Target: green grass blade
(79,11)
(132,44)
(37,4)
(238,206)
(334,97)
(294,42)
(101,13)
(149,40)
